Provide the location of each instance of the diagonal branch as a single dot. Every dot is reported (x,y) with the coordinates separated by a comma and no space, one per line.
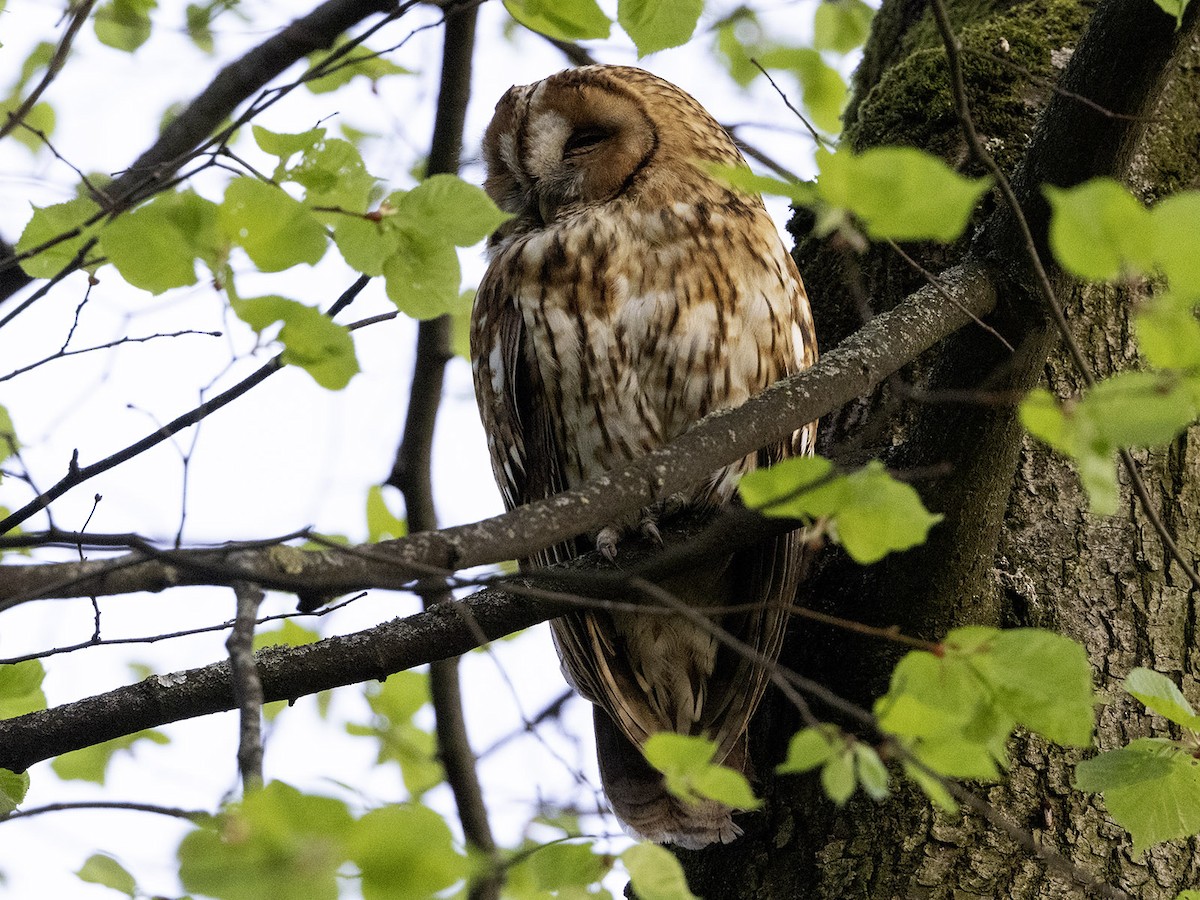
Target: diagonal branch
(851,369)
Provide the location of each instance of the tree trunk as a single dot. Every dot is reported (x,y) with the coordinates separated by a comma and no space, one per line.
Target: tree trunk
(1018,546)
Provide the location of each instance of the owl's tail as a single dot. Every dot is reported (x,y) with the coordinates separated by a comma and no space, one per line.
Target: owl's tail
(641,801)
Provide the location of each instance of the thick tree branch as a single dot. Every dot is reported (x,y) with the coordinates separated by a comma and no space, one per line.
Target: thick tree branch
(851,369)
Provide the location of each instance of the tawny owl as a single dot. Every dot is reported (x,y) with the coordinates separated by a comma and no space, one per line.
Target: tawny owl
(631,294)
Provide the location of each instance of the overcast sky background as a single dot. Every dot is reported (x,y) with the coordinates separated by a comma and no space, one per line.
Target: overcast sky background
(289,454)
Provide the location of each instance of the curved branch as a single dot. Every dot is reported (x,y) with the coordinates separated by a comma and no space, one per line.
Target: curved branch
(450,629)
(851,369)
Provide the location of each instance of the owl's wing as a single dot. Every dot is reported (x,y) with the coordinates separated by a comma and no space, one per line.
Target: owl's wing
(526,459)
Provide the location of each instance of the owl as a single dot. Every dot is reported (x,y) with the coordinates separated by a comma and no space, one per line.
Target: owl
(631,294)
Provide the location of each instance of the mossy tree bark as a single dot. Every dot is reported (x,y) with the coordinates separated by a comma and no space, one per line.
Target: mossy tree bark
(1018,546)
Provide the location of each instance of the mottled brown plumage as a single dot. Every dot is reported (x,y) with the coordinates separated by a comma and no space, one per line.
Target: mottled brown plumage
(631,294)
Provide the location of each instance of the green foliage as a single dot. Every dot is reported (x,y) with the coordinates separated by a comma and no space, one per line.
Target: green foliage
(655,874)
(276,230)
(8,436)
(563,869)
(277,844)
(841,25)
(1152,786)
(691,774)
(1176,243)
(1159,693)
(21,688)
(658,24)
(100,868)
(330,170)
(155,247)
(411,241)
(405,852)
(564,20)
(899,193)
(395,703)
(198,21)
(954,710)
(1099,231)
(867,511)
(1173,8)
(742,42)
(48,225)
(382,523)
(1131,409)
(359,61)
(40,117)
(124,24)
(1168,334)
(1188,895)
(13,788)
(288,634)
(844,763)
(311,340)
(802,193)
(91,763)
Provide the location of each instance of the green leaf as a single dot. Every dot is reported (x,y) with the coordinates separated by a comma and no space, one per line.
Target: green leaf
(91,763)
(50,223)
(156,246)
(874,514)
(1138,409)
(1151,789)
(810,748)
(124,24)
(359,61)
(382,523)
(365,242)
(553,867)
(13,788)
(405,852)
(446,207)
(955,710)
(1188,895)
(872,774)
(9,443)
(423,276)
(311,340)
(394,704)
(1099,231)
(1173,8)
(740,177)
(1041,679)
(198,20)
(654,874)
(1168,333)
(21,688)
(102,869)
(40,117)
(1176,244)
(276,230)
(686,761)
(900,193)
(564,20)
(288,634)
(841,25)
(37,60)
(658,24)
(285,145)
(277,844)
(837,778)
(824,90)
(733,34)
(1159,693)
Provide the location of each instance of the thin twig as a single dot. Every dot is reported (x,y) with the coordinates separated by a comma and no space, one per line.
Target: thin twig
(197,816)
(17,116)
(788,103)
(61,354)
(247,687)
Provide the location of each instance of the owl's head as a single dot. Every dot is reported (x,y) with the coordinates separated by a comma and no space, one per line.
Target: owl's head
(588,136)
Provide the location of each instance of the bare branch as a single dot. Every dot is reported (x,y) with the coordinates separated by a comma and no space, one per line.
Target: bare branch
(247,688)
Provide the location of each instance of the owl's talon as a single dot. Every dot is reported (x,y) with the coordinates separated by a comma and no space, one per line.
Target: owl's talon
(648,528)
(606,542)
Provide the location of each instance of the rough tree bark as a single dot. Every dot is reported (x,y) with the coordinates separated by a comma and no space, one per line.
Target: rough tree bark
(1018,547)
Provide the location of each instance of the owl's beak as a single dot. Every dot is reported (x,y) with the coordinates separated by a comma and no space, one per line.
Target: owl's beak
(546,209)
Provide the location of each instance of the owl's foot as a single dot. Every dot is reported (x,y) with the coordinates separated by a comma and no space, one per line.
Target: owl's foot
(647,526)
